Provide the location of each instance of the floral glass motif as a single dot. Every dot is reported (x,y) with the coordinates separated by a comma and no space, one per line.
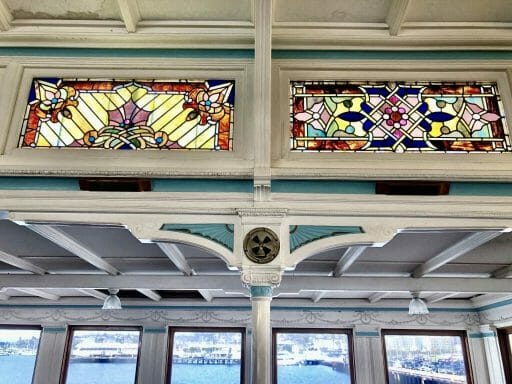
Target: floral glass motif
(336,116)
(117,114)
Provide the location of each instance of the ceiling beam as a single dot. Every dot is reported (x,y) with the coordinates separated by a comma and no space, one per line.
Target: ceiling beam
(40,293)
(18,262)
(377,296)
(396,15)
(289,284)
(317,296)
(150,294)
(57,236)
(130,14)
(173,252)
(446,256)
(3,296)
(207,294)
(348,258)
(503,273)
(94,293)
(440,296)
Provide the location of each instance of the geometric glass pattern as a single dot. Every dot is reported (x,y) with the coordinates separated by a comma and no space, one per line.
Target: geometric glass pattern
(129,114)
(397,117)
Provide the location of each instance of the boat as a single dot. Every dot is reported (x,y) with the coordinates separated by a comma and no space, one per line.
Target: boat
(104,352)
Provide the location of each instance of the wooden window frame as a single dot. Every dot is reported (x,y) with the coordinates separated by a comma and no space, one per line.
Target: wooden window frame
(506,351)
(173,330)
(69,342)
(343,331)
(425,332)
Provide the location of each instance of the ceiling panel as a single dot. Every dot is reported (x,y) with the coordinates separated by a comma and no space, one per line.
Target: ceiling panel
(457,268)
(64,9)
(496,251)
(460,11)
(112,242)
(382,268)
(346,11)
(225,10)
(412,247)
(210,265)
(143,265)
(20,241)
(67,264)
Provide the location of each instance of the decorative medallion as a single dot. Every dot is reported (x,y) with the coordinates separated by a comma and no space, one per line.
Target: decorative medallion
(261,245)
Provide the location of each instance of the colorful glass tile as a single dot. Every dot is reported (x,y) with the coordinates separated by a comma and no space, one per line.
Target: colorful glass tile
(336,116)
(138,114)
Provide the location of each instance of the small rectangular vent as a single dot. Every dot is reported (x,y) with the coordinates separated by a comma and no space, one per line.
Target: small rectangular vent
(412,187)
(115,184)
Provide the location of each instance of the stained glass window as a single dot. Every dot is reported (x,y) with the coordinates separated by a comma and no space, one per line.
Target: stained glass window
(397,117)
(142,114)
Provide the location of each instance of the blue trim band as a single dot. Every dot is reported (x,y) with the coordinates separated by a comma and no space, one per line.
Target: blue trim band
(129,52)
(481,335)
(367,334)
(494,305)
(392,55)
(155,330)
(323,186)
(202,185)
(39,183)
(54,329)
(261,291)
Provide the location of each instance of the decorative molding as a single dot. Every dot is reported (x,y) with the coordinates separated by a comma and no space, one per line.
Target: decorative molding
(254,277)
(347,259)
(262,212)
(130,14)
(5,16)
(396,15)
(260,291)
(222,234)
(303,234)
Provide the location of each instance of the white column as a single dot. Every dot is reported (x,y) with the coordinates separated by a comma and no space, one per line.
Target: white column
(492,354)
(50,356)
(368,357)
(261,296)
(153,355)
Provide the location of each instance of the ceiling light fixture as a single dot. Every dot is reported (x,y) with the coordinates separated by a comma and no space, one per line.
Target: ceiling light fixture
(417,306)
(112,301)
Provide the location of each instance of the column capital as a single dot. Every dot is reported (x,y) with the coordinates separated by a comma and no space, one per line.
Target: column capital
(261,277)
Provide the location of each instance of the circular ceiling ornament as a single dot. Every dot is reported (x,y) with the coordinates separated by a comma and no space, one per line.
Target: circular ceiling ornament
(261,245)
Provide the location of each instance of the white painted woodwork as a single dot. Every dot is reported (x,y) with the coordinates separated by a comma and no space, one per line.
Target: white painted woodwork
(317,296)
(5,16)
(349,257)
(50,355)
(492,355)
(396,16)
(377,296)
(173,252)
(18,262)
(448,255)
(153,364)
(289,284)
(39,292)
(261,340)
(207,294)
(3,296)
(68,242)
(129,13)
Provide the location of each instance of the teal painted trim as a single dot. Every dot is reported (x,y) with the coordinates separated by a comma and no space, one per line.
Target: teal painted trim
(481,189)
(367,334)
(129,52)
(371,309)
(261,291)
(155,330)
(303,234)
(222,234)
(202,185)
(392,55)
(54,329)
(494,305)
(323,186)
(481,335)
(39,183)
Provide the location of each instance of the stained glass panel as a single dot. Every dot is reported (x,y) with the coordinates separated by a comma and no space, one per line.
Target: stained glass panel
(335,116)
(142,114)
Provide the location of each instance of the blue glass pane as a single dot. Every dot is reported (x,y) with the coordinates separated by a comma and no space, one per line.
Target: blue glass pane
(18,351)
